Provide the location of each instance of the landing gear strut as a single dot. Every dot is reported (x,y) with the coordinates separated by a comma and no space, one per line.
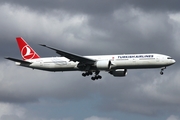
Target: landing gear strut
(162,70)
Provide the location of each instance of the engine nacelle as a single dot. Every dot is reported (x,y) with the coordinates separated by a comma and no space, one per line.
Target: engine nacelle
(103,64)
(119,72)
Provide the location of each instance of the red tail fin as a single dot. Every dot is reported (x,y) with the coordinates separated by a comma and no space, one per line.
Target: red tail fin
(26,51)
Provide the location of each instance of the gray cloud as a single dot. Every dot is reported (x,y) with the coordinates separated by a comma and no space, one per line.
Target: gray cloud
(27,85)
(88,7)
(96,7)
(160,5)
(144,94)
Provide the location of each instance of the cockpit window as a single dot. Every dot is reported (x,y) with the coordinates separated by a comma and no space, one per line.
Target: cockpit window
(169,58)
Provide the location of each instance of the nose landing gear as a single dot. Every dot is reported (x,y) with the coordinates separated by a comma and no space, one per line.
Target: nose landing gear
(162,70)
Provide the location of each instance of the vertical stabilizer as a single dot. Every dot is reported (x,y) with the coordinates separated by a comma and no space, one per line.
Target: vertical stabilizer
(26,51)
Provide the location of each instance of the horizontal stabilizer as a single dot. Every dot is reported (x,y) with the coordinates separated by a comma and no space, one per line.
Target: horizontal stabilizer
(18,60)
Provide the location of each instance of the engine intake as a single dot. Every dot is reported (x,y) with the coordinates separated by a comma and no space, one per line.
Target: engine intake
(119,72)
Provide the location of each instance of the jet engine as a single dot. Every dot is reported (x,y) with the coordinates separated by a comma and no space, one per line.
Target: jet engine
(119,72)
(103,64)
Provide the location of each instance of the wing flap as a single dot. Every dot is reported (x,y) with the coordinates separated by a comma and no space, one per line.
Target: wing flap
(72,56)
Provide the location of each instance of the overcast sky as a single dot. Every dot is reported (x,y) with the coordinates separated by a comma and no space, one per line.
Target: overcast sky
(90,27)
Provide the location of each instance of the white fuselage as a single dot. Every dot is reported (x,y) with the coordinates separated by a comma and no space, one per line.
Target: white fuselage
(125,61)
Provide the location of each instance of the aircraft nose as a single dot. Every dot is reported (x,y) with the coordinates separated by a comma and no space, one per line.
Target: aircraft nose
(173,61)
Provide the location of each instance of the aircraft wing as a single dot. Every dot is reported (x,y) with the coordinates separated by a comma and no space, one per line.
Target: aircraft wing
(72,56)
(18,60)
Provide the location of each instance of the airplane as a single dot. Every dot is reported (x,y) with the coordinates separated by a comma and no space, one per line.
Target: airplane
(116,65)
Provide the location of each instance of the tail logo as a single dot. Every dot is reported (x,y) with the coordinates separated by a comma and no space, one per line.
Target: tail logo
(27,53)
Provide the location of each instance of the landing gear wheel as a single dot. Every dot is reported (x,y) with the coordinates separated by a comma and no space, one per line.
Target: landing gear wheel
(87,73)
(90,73)
(93,78)
(96,77)
(99,77)
(161,73)
(84,74)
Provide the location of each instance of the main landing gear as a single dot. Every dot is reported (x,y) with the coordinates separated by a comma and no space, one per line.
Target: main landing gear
(87,74)
(162,70)
(95,77)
